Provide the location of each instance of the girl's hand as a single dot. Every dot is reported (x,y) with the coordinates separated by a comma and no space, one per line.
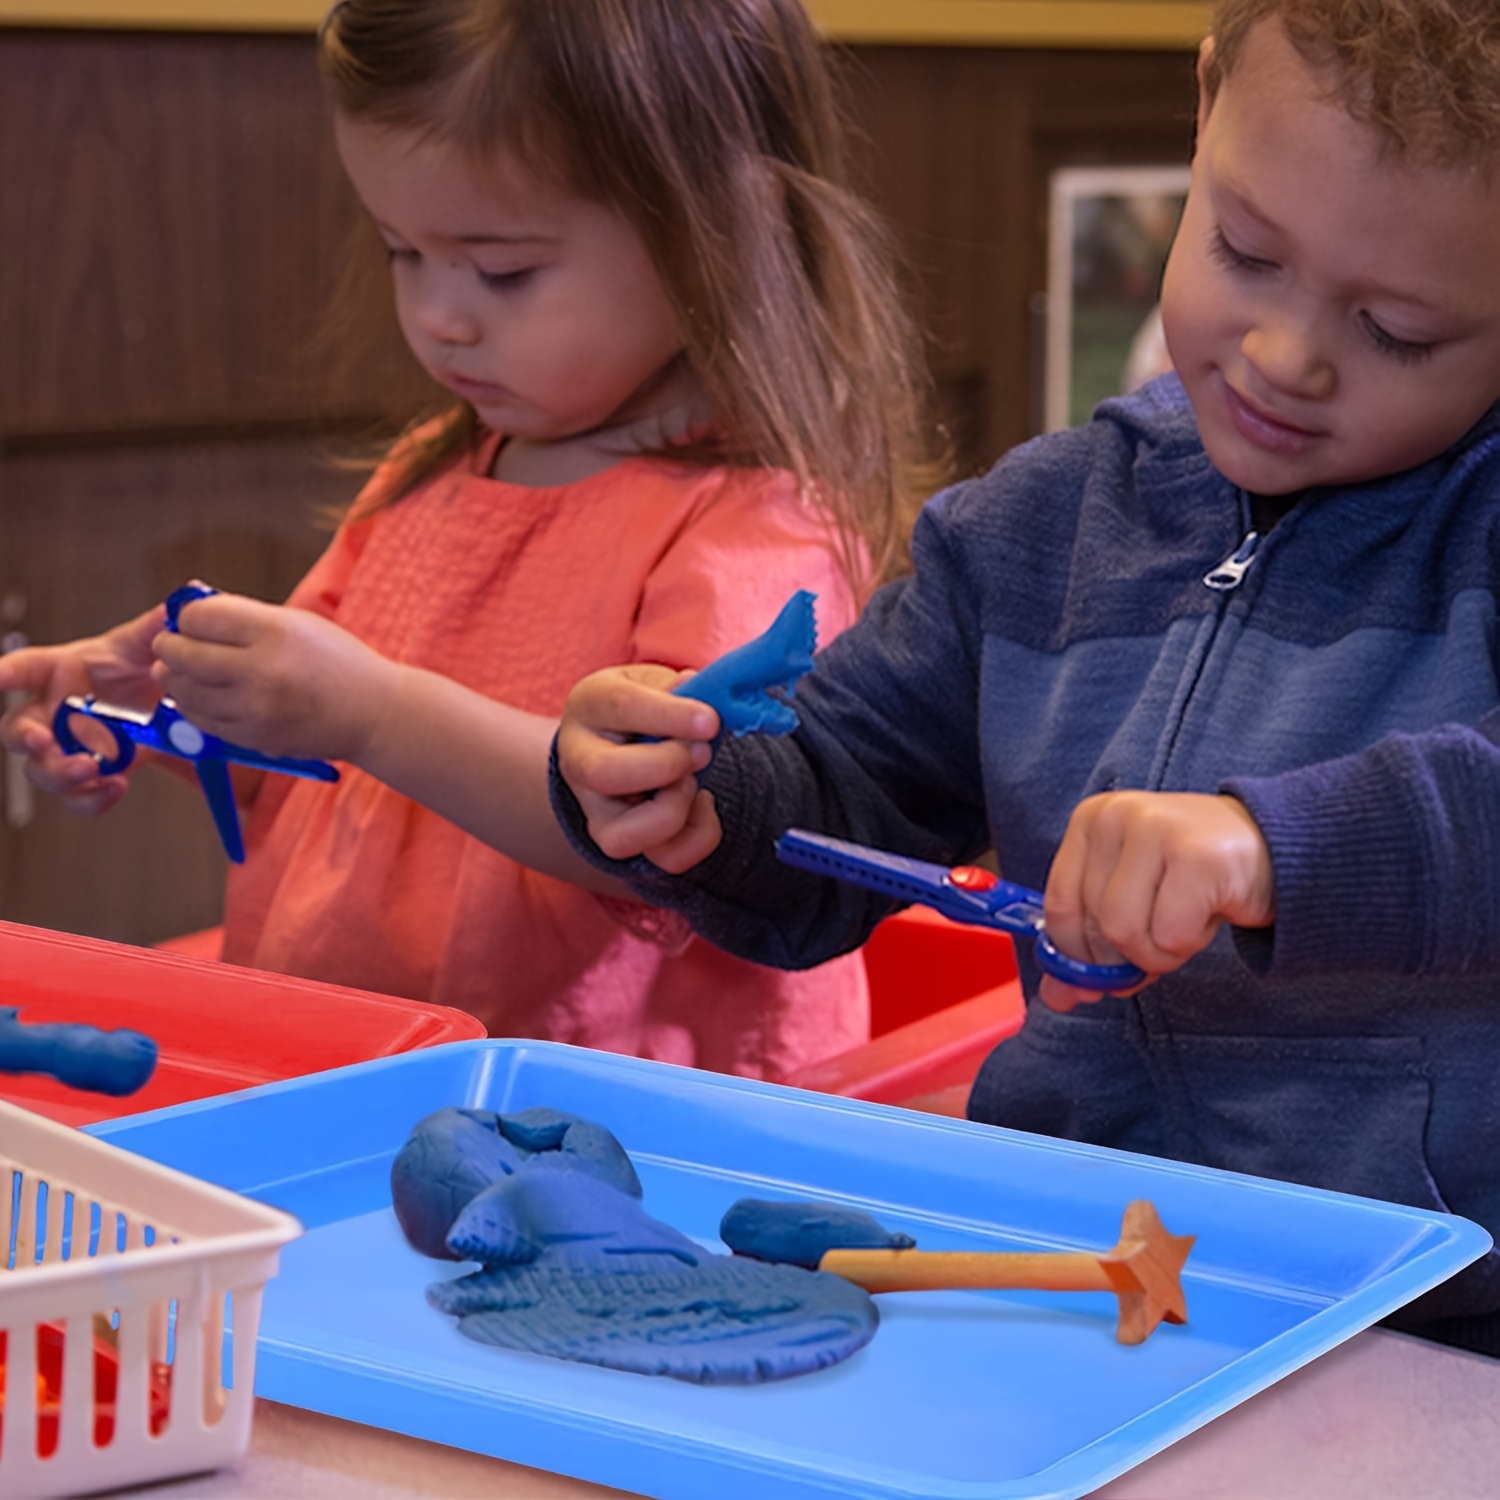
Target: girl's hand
(629,750)
(1151,877)
(278,680)
(115,667)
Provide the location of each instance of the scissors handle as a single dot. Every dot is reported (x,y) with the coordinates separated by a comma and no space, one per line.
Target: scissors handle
(964,893)
(112,721)
(185,595)
(166,730)
(241,755)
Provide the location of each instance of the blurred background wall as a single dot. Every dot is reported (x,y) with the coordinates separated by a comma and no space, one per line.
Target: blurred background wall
(173,222)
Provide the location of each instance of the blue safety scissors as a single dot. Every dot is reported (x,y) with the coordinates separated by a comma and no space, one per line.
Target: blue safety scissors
(964,893)
(165,729)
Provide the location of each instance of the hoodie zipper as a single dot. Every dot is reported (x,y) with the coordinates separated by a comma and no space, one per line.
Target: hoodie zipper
(1229,573)
(1223,579)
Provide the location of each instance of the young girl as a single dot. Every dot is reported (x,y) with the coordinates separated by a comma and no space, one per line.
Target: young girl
(619,236)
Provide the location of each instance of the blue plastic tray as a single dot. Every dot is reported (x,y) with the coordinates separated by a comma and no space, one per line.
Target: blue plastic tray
(961,1394)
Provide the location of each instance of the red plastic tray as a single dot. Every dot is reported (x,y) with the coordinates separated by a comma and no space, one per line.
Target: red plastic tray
(920,963)
(49,1339)
(217,1027)
(942,995)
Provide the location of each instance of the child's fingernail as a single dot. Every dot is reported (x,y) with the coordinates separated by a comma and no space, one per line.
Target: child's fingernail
(703,726)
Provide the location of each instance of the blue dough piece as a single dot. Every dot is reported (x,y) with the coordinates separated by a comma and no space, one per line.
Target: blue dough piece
(726,1321)
(576,1219)
(451,1157)
(576,1142)
(538,1128)
(798,1234)
(83,1057)
(454,1154)
(735,685)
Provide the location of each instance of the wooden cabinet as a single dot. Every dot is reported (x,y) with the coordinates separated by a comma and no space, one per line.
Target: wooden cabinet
(957,145)
(172,218)
(173,230)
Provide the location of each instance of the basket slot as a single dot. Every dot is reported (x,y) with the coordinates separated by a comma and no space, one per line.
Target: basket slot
(10,1191)
(24,1253)
(111,1230)
(53,1222)
(245,1321)
(107,1379)
(161,1316)
(88,1220)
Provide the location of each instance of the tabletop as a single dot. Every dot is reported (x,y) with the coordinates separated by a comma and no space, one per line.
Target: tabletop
(1382,1415)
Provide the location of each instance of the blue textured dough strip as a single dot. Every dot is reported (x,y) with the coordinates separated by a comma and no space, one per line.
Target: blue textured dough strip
(735,685)
(728,1321)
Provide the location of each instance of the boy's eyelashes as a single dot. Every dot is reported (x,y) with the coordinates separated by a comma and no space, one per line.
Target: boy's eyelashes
(1404,350)
(1225,253)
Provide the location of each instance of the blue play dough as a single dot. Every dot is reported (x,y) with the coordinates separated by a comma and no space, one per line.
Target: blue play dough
(83,1057)
(572,1266)
(728,1321)
(580,1143)
(572,1217)
(798,1234)
(452,1156)
(735,685)
(455,1154)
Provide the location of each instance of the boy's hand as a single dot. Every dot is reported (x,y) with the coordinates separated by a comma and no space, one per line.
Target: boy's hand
(115,667)
(629,750)
(1151,877)
(278,680)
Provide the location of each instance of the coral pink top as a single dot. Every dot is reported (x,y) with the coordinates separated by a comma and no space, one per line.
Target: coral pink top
(517,593)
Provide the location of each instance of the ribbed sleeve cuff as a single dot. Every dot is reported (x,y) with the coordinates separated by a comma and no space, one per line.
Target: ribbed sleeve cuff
(1352,856)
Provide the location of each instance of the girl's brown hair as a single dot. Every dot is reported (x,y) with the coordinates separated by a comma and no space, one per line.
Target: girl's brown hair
(710,125)
(1424,73)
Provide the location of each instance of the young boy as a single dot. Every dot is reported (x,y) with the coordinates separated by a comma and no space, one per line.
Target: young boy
(1218,669)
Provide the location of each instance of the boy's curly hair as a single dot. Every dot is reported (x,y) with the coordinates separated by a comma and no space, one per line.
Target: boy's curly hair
(1424,73)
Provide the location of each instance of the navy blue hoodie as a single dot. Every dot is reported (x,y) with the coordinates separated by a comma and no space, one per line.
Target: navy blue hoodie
(1073,625)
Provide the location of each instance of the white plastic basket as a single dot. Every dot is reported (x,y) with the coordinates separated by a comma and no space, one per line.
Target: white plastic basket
(111,1262)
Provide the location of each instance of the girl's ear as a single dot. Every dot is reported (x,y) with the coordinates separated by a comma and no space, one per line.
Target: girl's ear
(1208,81)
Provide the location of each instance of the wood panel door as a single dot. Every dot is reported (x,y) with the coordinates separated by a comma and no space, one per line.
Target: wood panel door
(173,224)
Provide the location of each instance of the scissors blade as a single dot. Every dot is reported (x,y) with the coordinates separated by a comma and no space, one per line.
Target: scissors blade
(908,879)
(284,765)
(213,777)
(964,894)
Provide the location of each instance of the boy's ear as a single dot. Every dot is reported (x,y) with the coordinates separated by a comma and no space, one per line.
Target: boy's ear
(1207,81)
